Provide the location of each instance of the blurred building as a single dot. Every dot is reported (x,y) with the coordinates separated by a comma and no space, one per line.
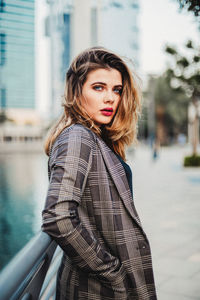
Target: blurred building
(119,29)
(58,29)
(69,28)
(17,60)
(73,25)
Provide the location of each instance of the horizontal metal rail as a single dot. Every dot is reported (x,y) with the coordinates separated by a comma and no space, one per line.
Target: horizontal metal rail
(31,274)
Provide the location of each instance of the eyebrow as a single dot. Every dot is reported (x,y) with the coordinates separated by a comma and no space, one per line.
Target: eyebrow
(103,83)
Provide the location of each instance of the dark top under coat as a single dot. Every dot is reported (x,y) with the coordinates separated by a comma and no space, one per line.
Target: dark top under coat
(128,172)
(126,167)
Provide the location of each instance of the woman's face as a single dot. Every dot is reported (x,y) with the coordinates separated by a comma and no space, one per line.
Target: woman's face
(101,94)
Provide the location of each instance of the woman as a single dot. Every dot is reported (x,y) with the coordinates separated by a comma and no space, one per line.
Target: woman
(89,208)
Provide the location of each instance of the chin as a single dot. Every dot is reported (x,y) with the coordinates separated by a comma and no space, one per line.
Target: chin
(104,122)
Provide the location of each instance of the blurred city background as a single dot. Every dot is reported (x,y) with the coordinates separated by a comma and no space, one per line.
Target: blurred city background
(160,39)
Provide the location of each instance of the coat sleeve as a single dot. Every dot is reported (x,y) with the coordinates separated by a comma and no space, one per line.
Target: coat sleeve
(70,164)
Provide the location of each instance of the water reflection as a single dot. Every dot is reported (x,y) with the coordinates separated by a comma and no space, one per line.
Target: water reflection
(23,186)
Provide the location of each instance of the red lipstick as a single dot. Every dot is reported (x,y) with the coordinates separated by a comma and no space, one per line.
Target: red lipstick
(108,111)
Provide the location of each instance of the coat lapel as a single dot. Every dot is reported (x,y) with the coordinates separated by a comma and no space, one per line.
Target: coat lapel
(118,175)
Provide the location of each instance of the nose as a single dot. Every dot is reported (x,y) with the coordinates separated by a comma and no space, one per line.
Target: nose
(109,96)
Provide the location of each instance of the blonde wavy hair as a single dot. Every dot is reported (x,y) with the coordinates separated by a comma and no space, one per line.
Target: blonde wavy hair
(122,130)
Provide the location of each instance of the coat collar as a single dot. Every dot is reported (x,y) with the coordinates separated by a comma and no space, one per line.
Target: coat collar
(115,168)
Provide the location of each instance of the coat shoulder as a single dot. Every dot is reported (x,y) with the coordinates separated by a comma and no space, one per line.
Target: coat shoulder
(75,132)
(78,131)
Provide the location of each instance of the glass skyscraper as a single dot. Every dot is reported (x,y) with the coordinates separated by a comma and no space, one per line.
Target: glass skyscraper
(17,55)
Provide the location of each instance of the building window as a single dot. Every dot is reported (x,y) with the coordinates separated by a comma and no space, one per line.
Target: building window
(134,45)
(2,49)
(116,4)
(2,5)
(135,6)
(2,98)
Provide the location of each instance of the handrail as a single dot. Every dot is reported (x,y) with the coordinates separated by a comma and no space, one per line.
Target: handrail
(24,276)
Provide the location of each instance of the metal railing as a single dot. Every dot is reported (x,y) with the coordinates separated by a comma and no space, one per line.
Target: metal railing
(31,274)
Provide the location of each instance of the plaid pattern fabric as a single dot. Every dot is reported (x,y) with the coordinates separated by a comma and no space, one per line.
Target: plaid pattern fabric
(90,213)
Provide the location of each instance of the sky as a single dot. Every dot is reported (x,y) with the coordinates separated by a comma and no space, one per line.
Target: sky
(160,23)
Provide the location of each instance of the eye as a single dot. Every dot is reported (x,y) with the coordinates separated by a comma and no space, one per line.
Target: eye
(98,88)
(118,90)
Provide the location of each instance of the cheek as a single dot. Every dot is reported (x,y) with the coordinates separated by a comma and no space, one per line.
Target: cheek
(86,98)
(90,102)
(94,99)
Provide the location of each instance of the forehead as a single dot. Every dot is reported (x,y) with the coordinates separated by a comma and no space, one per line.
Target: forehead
(107,76)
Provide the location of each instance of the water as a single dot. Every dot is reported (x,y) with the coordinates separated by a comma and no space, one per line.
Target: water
(23,187)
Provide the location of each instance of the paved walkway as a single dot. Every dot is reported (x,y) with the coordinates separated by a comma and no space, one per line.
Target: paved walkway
(167,197)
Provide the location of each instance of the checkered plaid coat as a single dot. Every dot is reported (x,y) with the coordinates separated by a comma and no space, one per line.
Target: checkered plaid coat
(90,213)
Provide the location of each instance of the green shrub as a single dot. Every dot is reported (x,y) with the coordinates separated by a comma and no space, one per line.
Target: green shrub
(192,161)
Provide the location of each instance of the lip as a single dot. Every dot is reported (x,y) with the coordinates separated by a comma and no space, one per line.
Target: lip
(107,111)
